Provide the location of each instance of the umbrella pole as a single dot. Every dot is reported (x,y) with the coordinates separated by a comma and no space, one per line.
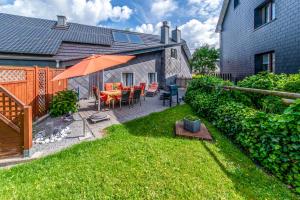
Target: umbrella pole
(99,99)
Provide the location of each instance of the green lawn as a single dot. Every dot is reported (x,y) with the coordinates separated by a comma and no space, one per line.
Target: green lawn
(142,160)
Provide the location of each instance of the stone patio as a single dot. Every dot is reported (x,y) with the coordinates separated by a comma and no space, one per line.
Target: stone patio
(86,131)
(123,114)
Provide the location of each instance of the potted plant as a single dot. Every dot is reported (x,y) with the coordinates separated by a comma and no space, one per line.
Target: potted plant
(192,123)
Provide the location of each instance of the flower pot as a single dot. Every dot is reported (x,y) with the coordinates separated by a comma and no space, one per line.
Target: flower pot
(192,126)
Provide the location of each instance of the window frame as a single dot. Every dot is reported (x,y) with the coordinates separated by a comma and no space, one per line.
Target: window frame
(264,14)
(174,52)
(271,63)
(148,81)
(133,79)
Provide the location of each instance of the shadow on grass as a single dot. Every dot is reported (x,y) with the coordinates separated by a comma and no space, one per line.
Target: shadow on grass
(249,181)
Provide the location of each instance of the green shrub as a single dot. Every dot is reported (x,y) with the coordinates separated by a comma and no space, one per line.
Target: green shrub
(291,83)
(273,140)
(63,102)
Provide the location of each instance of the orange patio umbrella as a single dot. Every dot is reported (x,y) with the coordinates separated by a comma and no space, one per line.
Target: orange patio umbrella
(93,64)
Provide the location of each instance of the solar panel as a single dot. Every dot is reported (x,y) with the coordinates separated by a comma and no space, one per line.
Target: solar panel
(135,39)
(120,37)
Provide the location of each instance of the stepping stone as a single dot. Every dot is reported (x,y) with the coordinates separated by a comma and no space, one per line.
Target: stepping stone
(98,117)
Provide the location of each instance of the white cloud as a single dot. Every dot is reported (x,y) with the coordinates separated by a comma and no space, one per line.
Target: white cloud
(205,7)
(197,33)
(149,28)
(81,11)
(163,8)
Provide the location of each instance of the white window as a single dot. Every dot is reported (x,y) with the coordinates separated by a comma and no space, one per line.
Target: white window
(152,77)
(268,62)
(128,79)
(264,14)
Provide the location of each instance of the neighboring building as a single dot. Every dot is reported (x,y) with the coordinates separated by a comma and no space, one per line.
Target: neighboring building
(28,41)
(259,35)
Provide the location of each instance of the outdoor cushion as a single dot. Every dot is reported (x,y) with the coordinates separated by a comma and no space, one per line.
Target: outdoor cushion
(108,86)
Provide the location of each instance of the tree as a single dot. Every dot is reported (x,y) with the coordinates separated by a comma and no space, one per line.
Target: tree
(204,59)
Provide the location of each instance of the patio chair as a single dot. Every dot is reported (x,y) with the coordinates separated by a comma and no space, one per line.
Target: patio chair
(173,91)
(136,96)
(108,86)
(96,92)
(124,98)
(143,88)
(118,86)
(153,89)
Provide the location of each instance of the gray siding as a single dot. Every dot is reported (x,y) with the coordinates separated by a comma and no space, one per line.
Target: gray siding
(240,42)
(175,67)
(40,63)
(159,62)
(140,66)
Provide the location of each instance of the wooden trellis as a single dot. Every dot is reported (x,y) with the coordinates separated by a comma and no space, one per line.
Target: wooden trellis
(32,85)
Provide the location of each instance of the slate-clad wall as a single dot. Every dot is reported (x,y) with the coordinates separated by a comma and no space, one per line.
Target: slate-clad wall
(175,67)
(240,42)
(140,66)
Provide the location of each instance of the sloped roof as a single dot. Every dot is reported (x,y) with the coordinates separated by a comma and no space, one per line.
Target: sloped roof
(26,35)
(222,15)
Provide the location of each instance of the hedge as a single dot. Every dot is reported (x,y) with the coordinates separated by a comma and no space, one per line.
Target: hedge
(272,140)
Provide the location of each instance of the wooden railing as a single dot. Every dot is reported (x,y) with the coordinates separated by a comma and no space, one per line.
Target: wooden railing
(18,120)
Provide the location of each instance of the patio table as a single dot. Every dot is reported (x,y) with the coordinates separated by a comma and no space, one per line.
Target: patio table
(111,95)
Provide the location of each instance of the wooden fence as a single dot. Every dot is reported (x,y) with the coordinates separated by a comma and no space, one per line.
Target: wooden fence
(15,125)
(32,85)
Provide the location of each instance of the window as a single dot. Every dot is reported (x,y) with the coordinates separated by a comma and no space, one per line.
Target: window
(264,14)
(127,79)
(152,77)
(174,53)
(265,62)
(236,3)
(126,37)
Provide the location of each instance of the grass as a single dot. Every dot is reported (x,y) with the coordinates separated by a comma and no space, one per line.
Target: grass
(142,160)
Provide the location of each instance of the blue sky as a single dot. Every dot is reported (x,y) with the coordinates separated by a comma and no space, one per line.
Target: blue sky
(196,18)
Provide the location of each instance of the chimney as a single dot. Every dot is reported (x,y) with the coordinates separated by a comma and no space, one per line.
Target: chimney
(165,33)
(176,35)
(61,21)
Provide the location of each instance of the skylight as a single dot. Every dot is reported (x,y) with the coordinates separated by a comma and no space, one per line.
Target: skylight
(135,39)
(127,37)
(120,37)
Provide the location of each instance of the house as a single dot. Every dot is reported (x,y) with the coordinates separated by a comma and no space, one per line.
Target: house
(26,41)
(259,35)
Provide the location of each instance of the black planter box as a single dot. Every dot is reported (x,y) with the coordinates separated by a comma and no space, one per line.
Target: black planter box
(192,126)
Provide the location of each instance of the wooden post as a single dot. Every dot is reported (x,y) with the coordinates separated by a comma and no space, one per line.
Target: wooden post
(49,90)
(36,90)
(27,129)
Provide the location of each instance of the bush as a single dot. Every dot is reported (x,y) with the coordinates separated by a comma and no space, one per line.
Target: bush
(273,140)
(270,81)
(63,102)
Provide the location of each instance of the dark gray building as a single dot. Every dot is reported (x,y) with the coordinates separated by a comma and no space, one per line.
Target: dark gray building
(28,41)
(259,35)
